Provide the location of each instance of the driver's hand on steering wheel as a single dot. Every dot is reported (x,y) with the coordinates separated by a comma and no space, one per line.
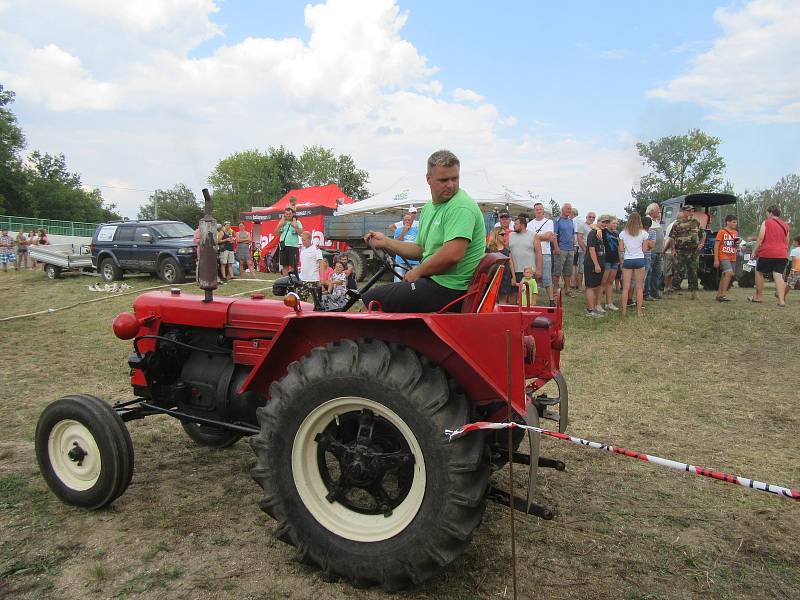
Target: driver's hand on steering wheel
(376,239)
(413,274)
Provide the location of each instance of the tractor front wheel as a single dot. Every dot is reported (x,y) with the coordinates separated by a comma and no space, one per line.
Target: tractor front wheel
(84,451)
(357,471)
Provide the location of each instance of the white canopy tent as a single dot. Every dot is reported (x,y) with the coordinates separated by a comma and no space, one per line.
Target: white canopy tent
(396,203)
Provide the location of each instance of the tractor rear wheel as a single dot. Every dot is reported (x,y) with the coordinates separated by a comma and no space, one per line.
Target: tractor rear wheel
(84,451)
(356,470)
(207,435)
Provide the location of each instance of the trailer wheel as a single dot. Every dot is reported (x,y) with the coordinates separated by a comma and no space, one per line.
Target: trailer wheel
(356,470)
(52,271)
(170,271)
(84,451)
(213,437)
(109,271)
(359,266)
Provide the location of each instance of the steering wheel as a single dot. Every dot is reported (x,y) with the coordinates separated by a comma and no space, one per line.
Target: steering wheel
(388,264)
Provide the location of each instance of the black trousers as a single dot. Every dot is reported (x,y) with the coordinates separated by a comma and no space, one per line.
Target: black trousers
(422,295)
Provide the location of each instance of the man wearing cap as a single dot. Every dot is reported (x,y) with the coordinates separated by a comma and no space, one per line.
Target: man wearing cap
(225,245)
(688,238)
(450,244)
(504,220)
(411,211)
(288,233)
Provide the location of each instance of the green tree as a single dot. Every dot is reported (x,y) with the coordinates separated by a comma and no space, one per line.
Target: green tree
(53,192)
(679,164)
(12,141)
(286,168)
(555,208)
(243,180)
(321,166)
(176,204)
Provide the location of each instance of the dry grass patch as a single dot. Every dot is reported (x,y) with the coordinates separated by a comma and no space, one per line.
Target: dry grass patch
(696,381)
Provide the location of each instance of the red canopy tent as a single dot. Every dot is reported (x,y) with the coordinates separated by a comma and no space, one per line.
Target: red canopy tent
(312,205)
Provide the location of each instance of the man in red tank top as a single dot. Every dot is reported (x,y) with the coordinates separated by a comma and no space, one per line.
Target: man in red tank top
(771,252)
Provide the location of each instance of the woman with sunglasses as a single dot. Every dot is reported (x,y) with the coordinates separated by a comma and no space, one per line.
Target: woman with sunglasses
(498,242)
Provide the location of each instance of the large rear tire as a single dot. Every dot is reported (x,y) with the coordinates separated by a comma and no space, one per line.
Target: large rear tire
(52,271)
(84,451)
(359,266)
(356,470)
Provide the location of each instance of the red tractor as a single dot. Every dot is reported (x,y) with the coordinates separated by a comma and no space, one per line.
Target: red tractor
(346,412)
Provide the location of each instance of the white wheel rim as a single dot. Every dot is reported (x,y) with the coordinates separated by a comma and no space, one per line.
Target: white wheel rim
(62,440)
(333,516)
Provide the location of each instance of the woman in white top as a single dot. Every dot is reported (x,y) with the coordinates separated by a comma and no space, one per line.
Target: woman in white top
(632,244)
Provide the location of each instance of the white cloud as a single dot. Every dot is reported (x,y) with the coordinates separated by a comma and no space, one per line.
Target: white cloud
(752,72)
(462,95)
(69,86)
(148,114)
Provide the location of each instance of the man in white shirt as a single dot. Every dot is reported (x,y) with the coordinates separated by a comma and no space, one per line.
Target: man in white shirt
(312,264)
(544,229)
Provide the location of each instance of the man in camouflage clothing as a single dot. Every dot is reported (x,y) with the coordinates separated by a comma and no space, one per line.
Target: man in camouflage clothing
(688,238)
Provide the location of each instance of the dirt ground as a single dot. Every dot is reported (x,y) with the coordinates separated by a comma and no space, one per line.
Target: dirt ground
(698,381)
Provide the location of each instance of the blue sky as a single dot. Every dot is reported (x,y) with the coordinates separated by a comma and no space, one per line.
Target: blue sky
(547,97)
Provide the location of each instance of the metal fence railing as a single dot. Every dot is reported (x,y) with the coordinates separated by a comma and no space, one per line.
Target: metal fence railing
(52,226)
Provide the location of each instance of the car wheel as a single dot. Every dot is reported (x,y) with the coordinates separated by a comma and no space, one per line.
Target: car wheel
(109,271)
(170,271)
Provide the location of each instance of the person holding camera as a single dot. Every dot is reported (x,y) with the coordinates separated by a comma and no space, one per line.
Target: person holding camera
(288,234)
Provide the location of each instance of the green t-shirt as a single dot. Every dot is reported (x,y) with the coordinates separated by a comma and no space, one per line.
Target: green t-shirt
(288,235)
(459,217)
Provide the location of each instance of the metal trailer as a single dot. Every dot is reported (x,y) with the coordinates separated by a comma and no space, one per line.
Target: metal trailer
(58,258)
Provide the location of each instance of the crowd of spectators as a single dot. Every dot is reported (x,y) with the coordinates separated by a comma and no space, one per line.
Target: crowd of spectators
(570,253)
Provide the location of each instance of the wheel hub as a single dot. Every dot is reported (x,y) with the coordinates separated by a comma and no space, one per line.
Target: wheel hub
(77,454)
(373,460)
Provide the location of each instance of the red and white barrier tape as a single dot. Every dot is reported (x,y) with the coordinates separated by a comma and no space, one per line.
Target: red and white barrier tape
(783,492)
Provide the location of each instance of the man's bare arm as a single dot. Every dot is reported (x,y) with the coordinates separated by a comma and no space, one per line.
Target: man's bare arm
(408,250)
(444,259)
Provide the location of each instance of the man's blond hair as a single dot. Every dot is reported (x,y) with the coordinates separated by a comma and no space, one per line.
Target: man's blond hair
(442,158)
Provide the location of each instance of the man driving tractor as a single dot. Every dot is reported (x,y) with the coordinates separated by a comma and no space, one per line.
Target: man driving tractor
(450,244)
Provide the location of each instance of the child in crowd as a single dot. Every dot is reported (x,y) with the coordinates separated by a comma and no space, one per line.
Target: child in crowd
(337,284)
(532,291)
(793,281)
(725,255)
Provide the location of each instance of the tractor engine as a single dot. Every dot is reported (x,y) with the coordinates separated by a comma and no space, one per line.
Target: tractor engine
(191,370)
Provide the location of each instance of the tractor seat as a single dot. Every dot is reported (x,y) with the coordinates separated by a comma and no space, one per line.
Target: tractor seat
(481,278)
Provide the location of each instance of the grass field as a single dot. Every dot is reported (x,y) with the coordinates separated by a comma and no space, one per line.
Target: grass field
(698,381)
